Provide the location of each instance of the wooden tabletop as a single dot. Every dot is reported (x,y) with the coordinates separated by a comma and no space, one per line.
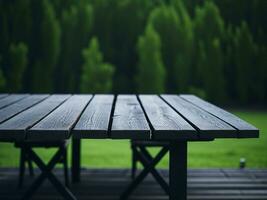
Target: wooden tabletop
(149,117)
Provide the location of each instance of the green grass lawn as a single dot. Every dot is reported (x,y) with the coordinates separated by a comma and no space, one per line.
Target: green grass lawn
(218,153)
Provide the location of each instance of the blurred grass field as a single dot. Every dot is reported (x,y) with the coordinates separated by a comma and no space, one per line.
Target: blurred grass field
(219,153)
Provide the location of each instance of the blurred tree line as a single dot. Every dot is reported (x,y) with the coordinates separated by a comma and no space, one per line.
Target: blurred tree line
(215,49)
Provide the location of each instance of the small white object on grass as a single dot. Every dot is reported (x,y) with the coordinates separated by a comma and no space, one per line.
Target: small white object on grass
(242,163)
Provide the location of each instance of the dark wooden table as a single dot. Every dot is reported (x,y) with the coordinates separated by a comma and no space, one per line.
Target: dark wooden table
(173,118)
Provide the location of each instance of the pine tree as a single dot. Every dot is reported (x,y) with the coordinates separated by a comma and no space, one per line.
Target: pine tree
(151,71)
(229,65)
(17,64)
(174,27)
(2,81)
(96,75)
(258,75)
(211,61)
(2,78)
(208,22)
(209,66)
(76,23)
(66,80)
(184,61)
(46,61)
(118,25)
(245,49)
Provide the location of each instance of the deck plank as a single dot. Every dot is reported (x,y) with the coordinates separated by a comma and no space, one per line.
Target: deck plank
(94,121)
(20,106)
(3,95)
(15,128)
(167,124)
(108,184)
(129,120)
(245,129)
(58,124)
(11,99)
(208,125)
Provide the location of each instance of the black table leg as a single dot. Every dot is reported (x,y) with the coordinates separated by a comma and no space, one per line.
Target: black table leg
(130,188)
(76,160)
(145,158)
(178,170)
(46,173)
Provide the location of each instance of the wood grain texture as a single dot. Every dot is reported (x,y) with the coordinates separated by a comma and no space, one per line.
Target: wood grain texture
(94,121)
(39,117)
(20,106)
(15,128)
(167,123)
(3,95)
(245,130)
(58,124)
(11,99)
(129,120)
(207,125)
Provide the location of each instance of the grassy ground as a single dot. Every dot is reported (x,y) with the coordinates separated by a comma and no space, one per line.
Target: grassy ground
(218,153)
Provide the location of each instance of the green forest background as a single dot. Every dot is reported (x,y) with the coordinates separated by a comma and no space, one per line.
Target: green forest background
(215,49)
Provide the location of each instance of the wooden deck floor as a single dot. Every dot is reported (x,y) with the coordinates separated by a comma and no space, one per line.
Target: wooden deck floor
(107,184)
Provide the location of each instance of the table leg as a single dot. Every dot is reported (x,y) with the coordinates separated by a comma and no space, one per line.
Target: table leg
(47,173)
(143,174)
(76,160)
(178,170)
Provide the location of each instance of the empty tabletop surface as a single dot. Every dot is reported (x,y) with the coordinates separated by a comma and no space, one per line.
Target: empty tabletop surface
(42,117)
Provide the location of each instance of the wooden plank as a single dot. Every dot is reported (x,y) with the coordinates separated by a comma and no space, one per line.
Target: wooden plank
(20,106)
(11,99)
(3,95)
(15,128)
(245,130)
(129,121)
(207,125)
(94,121)
(107,184)
(167,123)
(58,124)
